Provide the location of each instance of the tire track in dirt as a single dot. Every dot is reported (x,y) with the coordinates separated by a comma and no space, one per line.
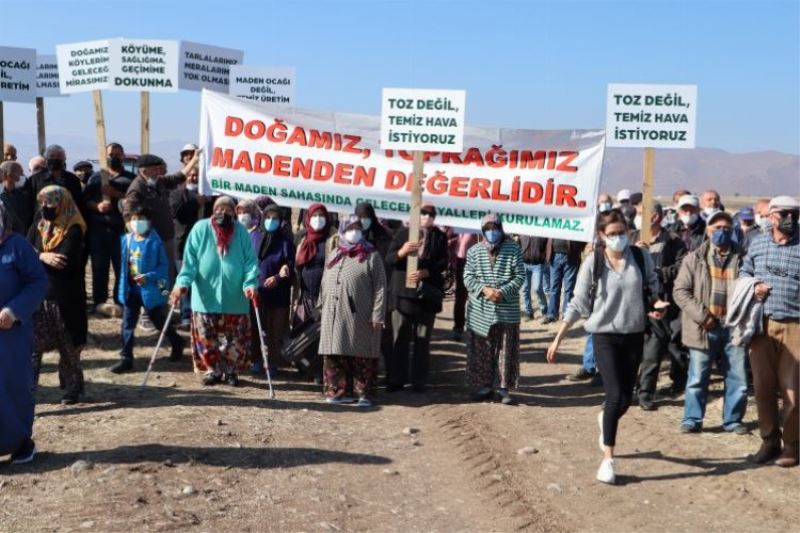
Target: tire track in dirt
(488,468)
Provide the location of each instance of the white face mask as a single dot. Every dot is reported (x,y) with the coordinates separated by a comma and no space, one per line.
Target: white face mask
(761,221)
(617,243)
(688,219)
(708,210)
(151,182)
(317,222)
(605,207)
(353,236)
(426,221)
(191,186)
(366,223)
(637,222)
(245,219)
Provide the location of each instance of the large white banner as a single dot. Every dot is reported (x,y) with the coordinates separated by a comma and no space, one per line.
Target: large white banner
(543,183)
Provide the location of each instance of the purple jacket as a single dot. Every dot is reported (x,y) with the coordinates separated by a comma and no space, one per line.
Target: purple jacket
(281,252)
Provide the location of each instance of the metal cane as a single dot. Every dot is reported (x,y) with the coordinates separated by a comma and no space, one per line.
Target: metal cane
(263,347)
(158,344)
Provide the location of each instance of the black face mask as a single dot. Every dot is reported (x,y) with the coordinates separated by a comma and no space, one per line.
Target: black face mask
(49,213)
(788,224)
(223,220)
(55,164)
(115,164)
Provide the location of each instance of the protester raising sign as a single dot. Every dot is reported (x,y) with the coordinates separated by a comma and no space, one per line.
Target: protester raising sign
(542,182)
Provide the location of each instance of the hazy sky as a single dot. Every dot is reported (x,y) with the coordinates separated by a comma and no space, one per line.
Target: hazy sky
(524,64)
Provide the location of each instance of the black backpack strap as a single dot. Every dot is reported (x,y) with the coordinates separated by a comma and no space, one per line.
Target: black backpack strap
(598,255)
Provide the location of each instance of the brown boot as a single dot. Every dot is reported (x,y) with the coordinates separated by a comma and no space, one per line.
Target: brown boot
(769,450)
(790,456)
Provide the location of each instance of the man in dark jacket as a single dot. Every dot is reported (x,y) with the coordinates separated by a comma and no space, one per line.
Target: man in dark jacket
(414,310)
(563,257)
(537,273)
(667,251)
(15,196)
(187,207)
(690,227)
(56,174)
(152,189)
(105,223)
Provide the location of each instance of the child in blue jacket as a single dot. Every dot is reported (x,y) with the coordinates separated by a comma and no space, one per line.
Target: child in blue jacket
(144,282)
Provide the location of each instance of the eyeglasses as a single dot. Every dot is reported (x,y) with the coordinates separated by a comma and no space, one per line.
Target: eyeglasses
(616,234)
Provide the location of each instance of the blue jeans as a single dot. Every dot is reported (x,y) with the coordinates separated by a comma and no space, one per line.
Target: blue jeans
(130,318)
(589,362)
(562,272)
(104,249)
(732,366)
(537,279)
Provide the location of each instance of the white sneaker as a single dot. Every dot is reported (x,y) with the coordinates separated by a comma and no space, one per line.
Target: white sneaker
(600,438)
(605,473)
(341,400)
(364,402)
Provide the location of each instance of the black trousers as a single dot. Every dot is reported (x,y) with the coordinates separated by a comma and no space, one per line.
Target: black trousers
(407,329)
(661,341)
(618,356)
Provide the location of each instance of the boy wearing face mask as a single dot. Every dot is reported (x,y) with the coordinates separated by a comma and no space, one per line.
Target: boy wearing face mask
(105,222)
(701,290)
(690,227)
(152,189)
(144,283)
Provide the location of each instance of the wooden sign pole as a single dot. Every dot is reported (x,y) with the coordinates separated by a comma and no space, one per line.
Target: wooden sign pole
(413,222)
(145,128)
(100,129)
(645,234)
(40,133)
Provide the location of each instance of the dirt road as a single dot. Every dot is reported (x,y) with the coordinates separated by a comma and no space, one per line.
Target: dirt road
(180,457)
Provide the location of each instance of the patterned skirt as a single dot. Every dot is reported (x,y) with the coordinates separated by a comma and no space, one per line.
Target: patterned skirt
(494,358)
(50,334)
(220,342)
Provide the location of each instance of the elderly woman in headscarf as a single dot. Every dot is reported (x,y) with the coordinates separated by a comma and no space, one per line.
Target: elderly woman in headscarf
(414,309)
(275,251)
(220,266)
(493,274)
(23,286)
(352,302)
(61,323)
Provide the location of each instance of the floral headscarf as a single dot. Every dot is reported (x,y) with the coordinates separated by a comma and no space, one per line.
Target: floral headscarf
(359,250)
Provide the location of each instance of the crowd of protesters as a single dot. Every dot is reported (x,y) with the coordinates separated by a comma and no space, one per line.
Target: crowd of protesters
(708,288)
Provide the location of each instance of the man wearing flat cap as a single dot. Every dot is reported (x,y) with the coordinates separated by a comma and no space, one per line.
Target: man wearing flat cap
(774,260)
(706,278)
(151,189)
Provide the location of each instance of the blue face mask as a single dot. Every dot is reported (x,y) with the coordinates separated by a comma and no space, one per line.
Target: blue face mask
(721,237)
(493,236)
(366,223)
(140,227)
(271,224)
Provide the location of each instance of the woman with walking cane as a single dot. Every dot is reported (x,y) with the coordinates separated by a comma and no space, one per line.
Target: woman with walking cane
(220,265)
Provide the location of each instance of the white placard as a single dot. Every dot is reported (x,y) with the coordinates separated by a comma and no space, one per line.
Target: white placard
(17,74)
(47,76)
(422,119)
(651,116)
(206,67)
(143,65)
(83,66)
(267,85)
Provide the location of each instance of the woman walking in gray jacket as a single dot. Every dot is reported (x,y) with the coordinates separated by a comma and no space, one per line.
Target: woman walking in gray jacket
(615,287)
